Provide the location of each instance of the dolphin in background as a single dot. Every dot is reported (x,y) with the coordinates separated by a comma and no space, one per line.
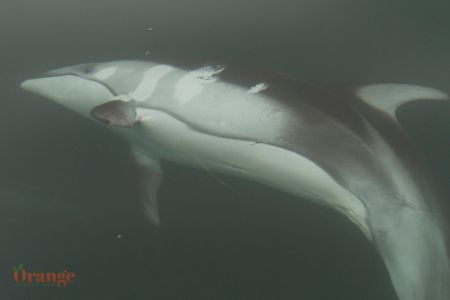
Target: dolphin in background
(339,146)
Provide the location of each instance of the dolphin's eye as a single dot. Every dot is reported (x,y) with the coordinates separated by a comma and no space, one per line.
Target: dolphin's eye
(89,70)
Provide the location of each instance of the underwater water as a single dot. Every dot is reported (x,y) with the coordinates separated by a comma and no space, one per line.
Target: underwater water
(67,200)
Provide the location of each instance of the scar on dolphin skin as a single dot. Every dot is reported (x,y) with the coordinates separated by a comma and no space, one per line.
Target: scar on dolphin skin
(214,176)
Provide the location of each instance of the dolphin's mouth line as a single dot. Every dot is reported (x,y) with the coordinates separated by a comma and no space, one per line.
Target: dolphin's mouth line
(50,75)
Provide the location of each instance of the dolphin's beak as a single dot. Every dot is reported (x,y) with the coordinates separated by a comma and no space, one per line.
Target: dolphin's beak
(54,73)
(29,84)
(58,72)
(72,70)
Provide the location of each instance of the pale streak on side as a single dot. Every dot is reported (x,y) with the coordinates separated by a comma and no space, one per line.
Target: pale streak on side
(149,82)
(106,73)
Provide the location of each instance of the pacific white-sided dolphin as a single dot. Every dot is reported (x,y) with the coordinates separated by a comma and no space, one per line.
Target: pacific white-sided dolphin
(337,146)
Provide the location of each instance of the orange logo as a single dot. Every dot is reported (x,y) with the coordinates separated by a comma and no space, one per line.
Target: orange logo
(22,277)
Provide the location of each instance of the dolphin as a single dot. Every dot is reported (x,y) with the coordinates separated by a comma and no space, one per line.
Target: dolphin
(337,145)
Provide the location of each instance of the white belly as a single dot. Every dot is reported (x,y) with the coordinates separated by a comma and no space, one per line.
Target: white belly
(168,138)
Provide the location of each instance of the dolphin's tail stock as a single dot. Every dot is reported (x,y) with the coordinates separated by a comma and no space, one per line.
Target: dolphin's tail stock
(407,227)
(413,244)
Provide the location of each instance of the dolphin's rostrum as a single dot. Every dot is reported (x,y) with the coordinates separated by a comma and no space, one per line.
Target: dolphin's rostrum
(338,146)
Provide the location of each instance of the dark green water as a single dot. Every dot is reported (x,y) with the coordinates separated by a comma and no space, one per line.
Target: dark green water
(65,186)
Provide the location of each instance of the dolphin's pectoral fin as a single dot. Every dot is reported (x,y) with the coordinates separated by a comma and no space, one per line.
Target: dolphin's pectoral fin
(388,97)
(149,176)
(116,112)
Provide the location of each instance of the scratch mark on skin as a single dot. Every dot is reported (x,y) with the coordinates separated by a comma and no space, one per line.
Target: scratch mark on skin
(195,81)
(221,181)
(258,88)
(256,142)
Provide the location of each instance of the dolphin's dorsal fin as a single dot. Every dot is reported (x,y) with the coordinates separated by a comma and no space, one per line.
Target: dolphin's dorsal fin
(115,112)
(387,97)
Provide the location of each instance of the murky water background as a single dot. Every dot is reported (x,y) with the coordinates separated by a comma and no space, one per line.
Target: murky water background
(65,187)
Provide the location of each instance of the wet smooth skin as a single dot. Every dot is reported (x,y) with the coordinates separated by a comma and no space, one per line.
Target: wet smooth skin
(331,145)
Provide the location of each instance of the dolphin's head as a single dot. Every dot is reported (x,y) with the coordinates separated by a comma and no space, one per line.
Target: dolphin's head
(85,86)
